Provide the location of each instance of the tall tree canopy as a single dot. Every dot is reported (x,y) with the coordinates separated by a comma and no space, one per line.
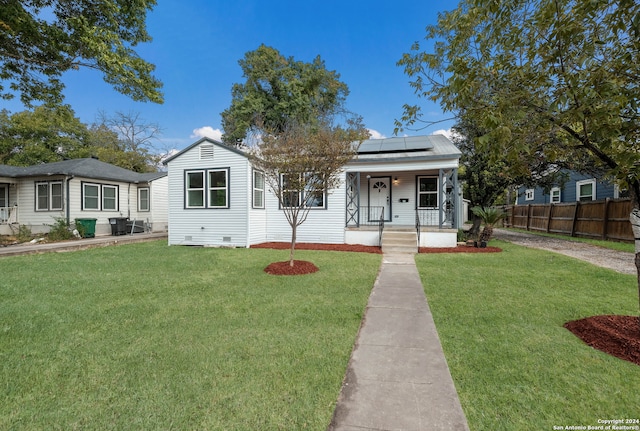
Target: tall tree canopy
(42,39)
(47,134)
(301,135)
(557,79)
(278,90)
(53,133)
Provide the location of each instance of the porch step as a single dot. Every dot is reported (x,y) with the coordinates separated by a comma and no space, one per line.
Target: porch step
(399,241)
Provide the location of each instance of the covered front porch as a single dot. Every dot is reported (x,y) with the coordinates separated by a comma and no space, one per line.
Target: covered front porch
(427,202)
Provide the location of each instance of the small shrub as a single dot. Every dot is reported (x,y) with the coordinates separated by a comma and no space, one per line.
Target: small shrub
(82,230)
(24,233)
(60,230)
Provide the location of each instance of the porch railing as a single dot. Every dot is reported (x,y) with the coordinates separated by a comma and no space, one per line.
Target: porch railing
(367,216)
(428,217)
(8,215)
(380,227)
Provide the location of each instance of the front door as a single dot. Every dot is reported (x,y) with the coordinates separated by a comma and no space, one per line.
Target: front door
(379,198)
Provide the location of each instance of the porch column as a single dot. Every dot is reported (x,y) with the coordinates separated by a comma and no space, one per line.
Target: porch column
(353,199)
(449,198)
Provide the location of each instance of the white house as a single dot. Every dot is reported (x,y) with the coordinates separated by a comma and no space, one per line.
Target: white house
(35,196)
(217,198)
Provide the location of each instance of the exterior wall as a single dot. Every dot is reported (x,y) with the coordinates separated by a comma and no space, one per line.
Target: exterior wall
(41,221)
(403,194)
(158,215)
(209,226)
(604,189)
(324,225)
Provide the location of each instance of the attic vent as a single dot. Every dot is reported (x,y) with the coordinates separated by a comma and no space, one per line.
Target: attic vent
(206,151)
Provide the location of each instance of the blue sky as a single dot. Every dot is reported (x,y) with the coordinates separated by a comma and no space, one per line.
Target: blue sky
(197,44)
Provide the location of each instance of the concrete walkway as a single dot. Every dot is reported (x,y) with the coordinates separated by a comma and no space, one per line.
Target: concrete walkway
(398,378)
(78,244)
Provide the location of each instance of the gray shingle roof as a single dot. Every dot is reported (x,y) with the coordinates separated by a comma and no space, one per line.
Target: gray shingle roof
(88,168)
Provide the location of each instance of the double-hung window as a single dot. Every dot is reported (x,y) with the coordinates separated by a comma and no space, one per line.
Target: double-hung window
(555,195)
(99,197)
(143,199)
(49,196)
(258,189)
(586,190)
(208,188)
(307,190)
(427,192)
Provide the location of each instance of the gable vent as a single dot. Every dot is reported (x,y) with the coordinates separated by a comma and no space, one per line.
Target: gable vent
(206,151)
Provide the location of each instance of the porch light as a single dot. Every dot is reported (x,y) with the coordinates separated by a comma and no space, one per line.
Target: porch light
(395,181)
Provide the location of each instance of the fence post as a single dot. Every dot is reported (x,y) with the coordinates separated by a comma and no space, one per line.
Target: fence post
(550,216)
(575,219)
(528,216)
(605,219)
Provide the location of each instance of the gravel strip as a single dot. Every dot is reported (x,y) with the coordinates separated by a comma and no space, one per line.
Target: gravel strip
(619,261)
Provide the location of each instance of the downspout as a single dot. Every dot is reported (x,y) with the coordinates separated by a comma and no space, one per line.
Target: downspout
(129,201)
(249,206)
(67,198)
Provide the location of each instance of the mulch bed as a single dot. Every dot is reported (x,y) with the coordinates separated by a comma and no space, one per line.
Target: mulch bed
(615,335)
(301,267)
(324,247)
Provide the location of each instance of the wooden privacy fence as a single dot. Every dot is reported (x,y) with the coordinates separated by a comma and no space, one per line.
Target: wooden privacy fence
(605,219)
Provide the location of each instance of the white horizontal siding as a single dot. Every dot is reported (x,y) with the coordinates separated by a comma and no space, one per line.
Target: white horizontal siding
(322,225)
(159,195)
(211,226)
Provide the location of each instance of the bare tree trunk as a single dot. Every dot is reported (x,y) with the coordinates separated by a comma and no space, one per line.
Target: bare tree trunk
(294,228)
(474,231)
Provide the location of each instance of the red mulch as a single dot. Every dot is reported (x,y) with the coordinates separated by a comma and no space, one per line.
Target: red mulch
(300,267)
(313,246)
(618,336)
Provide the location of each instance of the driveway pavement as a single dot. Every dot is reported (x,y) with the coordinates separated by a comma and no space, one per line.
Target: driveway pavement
(78,244)
(619,261)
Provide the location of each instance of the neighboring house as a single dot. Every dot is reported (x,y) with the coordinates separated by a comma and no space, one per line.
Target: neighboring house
(577,187)
(36,196)
(217,198)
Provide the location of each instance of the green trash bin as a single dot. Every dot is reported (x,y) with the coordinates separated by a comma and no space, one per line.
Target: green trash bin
(86,227)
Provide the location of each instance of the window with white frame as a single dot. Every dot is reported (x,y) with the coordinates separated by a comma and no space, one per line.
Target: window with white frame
(207,188)
(143,199)
(529,194)
(99,197)
(109,198)
(258,189)
(194,188)
(91,197)
(218,196)
(586,190)
(555,195)
(313,195)
(427,192)
(49,196)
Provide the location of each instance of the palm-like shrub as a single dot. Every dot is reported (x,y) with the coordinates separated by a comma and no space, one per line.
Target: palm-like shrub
(489,216)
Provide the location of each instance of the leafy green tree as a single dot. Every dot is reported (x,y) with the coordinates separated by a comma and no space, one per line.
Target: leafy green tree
(486,178)
(303,163)
(42,39)
(556,72)
(44,135)
(292,114)
(279,90)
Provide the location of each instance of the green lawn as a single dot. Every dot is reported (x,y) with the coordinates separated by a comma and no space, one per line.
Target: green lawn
(500,320)
(146,336)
